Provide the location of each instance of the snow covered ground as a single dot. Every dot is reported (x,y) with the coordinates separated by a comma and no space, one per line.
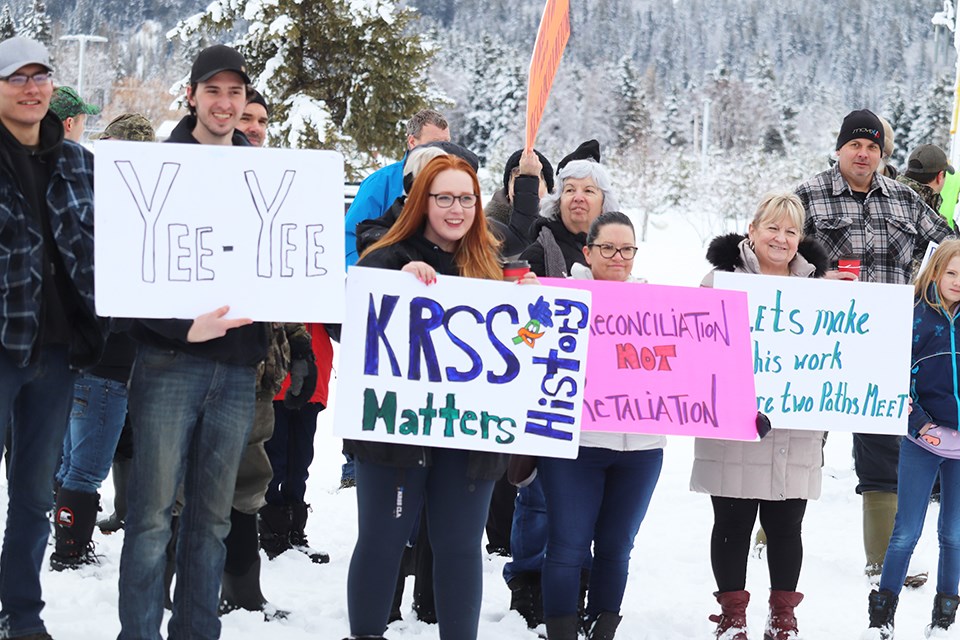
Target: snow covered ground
(668,595)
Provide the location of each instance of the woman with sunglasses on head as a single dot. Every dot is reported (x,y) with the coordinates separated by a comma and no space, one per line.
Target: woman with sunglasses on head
(442,230)
(775,476)
(600,498)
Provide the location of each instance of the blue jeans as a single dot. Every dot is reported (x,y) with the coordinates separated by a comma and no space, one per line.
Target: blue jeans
(601,498)
(291,452)
(99,408)
(348,469)
(528,537)
(34,406)
(917,472)
(191,418)
(456,508)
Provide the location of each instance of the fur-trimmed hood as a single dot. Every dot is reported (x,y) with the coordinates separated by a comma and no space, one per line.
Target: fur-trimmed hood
(498,207)
(724,254)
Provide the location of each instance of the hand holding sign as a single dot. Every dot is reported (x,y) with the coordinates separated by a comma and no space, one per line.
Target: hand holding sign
(213,325)
(530,164)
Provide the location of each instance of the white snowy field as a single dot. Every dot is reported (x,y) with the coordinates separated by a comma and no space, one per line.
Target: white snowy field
(668,594)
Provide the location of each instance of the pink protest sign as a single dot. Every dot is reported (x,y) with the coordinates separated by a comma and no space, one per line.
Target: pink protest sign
(668,360)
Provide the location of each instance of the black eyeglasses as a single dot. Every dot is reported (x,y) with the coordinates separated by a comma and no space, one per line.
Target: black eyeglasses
(445,200)
(608,251)
(20,79)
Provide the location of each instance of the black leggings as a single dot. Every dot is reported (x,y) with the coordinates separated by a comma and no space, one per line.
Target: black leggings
(456,509)
(733,520)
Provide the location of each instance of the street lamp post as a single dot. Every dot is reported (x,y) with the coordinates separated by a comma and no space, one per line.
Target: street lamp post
(82,39)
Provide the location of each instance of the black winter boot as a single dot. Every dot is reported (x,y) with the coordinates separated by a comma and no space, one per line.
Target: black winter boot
(298,534)
(526,598)
(944,612)
(275,523)
(74,519)
(240,588)
(604,627)
(121,472)
(564,628)
(243,592)
(882,605)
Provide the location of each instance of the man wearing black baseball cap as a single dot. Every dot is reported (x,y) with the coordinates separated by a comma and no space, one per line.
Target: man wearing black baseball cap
(191,406)
(857,213)
(216,97)
(926,173)
(48,326)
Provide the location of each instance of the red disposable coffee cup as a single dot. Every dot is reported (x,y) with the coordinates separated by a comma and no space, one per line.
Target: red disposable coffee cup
(513,271)
(849,265)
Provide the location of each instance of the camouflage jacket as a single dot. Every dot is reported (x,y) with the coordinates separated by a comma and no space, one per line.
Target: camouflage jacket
(928,195)
(275,367)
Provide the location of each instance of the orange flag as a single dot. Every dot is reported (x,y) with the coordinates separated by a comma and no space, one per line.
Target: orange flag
(551,40)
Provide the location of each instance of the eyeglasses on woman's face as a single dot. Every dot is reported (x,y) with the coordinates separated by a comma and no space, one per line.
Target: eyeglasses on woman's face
(445,200)
(608,251)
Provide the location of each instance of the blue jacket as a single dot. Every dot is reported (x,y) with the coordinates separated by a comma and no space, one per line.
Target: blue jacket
(934,376)
(70,209)
(377,192)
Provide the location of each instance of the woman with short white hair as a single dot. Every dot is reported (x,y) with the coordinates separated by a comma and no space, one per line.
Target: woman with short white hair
(584,192)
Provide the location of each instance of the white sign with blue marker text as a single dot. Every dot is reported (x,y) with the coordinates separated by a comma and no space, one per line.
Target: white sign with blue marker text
(829,355)
(462,363)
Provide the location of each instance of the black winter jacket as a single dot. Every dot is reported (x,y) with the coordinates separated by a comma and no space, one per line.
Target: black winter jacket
(242,346)
(514,225)
(571,245)
(482,465)
(369,231)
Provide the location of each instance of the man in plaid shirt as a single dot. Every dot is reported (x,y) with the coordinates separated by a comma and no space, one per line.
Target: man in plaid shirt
(48,326)
(856,213)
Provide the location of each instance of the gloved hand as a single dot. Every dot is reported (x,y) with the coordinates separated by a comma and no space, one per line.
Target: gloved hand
(763,425)
(303,375)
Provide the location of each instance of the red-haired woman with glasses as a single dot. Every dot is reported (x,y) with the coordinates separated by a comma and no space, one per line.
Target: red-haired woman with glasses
(442,230)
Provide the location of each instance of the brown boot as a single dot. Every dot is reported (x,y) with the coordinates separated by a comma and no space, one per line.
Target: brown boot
(781,623)
(732,621)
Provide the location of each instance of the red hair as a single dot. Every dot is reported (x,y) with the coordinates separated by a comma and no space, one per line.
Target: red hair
(477,252)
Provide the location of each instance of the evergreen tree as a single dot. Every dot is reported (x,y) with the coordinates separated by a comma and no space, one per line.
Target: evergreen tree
(896,112)
(932,125)
(340,75)
(632,117)
(496,98)
(37,23)
(675,123)
(7,27)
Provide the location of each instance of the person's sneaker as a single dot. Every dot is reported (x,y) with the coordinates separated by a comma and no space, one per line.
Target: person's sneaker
(348,483)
